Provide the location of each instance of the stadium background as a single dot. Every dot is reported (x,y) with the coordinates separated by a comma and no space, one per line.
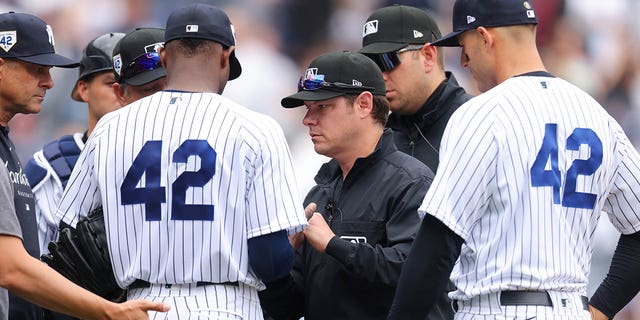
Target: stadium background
(592,43)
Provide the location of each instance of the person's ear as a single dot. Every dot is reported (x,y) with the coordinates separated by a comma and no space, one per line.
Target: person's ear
(82,87)
(364,103)
(225,56)
(430,55)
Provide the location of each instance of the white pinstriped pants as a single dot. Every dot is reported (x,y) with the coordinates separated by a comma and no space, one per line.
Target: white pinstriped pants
(208,302)
(566,306)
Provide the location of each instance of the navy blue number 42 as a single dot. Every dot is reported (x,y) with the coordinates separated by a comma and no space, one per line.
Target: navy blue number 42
(541,177)
(153,195)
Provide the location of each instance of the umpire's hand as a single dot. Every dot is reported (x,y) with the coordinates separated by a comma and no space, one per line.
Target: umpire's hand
(297,239)
(318,233)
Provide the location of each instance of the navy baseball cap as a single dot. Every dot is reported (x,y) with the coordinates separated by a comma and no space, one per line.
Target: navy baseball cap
(336,74)
(136,60)
(26,37)
(203,21)
(471,14)
(395,27)
(96,57)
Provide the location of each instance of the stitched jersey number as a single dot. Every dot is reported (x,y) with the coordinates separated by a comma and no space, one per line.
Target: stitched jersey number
(541,177)
(153,195)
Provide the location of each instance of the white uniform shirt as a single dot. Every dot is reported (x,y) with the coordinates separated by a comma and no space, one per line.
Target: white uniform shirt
(525,170)
(184,180)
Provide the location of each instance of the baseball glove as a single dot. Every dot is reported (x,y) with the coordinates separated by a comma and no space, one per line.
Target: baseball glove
(82,256)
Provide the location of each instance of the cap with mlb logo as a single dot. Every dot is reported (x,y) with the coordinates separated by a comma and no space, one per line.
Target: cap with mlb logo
(135,57)
(395,27)
(337,74)
(203,21)
(26,37)
(471,14)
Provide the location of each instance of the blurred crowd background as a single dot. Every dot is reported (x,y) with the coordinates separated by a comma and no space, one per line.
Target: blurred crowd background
(591,43)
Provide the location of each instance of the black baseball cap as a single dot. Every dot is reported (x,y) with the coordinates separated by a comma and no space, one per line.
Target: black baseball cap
(28,38)
(96,57)
(140,43)
(395,27)
(337,74)
(471,14)
(203,21)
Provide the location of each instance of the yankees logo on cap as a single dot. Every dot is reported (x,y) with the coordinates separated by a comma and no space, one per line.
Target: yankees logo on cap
(26,37)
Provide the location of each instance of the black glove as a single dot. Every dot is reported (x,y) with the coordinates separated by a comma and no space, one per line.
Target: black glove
(82,256)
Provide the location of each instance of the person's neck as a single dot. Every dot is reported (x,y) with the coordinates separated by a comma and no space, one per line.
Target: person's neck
(361,148)
(514,64)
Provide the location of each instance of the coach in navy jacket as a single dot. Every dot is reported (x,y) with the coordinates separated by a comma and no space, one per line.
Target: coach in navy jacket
(366,198)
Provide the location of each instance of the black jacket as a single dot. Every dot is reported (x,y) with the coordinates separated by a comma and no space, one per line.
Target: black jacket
(373,213)
(411,132)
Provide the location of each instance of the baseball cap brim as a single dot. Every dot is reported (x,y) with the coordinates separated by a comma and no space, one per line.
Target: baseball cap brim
(51,59)
(298,99)
(146,77)
(382,47)
(236,68)
(450,40)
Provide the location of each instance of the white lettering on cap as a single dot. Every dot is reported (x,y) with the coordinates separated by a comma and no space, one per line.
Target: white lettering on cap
(117,63)
(8,39)
(370,27)
(50,33)
(192,28)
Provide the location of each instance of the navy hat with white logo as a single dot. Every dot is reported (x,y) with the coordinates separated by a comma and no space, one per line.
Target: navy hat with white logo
(336,74)
(395,27)
(471,14)
(26,37)
(203,21)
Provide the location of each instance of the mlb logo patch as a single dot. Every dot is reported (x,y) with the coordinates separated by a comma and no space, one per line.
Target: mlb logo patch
(155,47)
(370,27)
(310,73)
(8,39)
(192,28)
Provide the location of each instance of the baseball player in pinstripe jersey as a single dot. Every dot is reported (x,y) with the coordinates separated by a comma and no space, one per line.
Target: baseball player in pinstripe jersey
(199,193)
(525,170)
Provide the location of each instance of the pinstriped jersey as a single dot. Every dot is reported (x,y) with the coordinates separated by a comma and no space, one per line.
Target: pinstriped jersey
(525,170)
(184,180)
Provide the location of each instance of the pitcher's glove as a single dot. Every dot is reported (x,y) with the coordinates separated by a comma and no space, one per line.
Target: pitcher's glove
(82,256)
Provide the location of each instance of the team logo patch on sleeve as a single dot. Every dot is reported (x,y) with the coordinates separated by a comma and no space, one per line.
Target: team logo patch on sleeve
(8,39)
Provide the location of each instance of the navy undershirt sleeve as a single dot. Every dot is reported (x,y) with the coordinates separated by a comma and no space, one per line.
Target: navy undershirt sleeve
(425,273)
(623,280)
(271,256)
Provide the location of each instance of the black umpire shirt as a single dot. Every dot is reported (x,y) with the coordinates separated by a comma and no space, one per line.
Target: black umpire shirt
(420,134)
(373,213)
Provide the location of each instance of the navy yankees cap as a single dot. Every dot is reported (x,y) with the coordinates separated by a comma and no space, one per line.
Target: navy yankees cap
(471,14)
(395,27)
(336,74)
(136,60)
(96,57)
(203,21)
(26,37)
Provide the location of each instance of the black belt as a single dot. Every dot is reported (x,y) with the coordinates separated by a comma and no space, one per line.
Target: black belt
(533,298)
(144,284)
